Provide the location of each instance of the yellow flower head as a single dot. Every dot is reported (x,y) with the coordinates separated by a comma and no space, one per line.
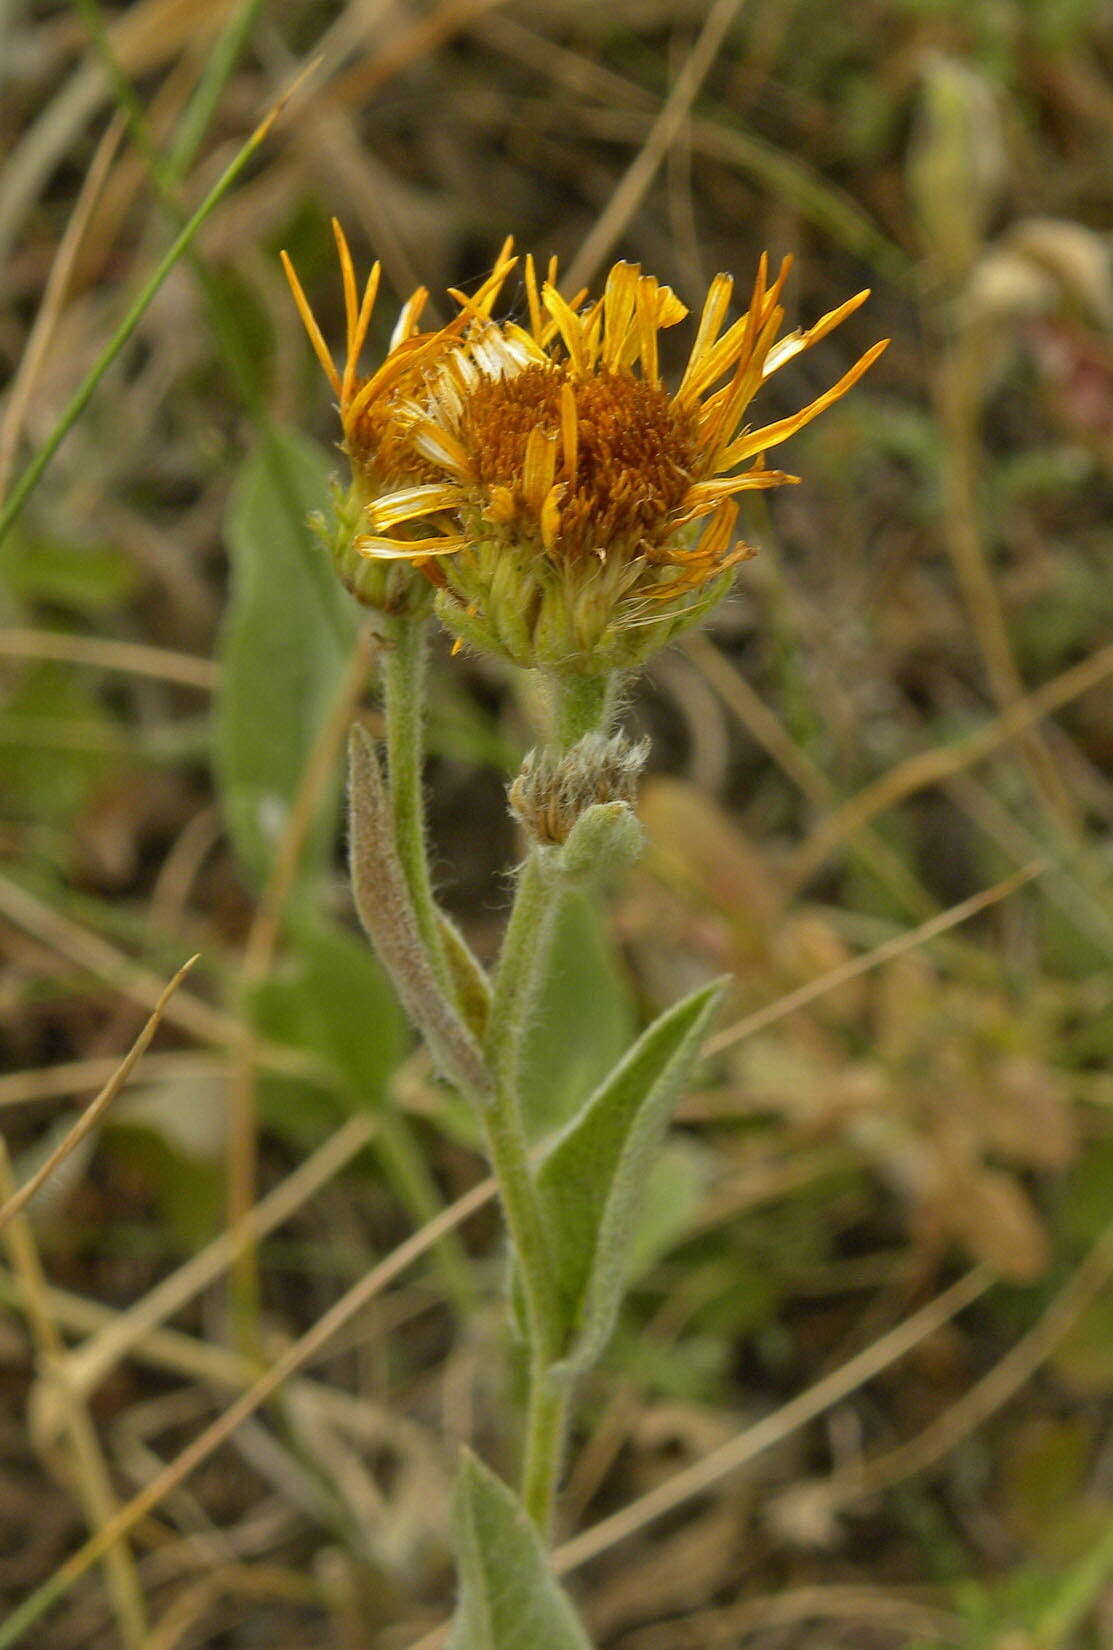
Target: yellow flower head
(576,514)
(571,512)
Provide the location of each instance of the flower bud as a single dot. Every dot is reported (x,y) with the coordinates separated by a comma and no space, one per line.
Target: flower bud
(394,588)
(556,789)
(604,840)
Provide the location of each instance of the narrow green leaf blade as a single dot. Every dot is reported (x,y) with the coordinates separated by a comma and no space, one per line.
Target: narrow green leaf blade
(509,1597)
(286,641)
(591,1177)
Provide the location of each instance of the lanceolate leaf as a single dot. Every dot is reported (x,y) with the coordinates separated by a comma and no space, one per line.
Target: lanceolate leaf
(509,1597)
(591,1177)
(286,642)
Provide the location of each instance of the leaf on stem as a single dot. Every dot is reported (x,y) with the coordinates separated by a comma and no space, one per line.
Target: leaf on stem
(509,1597)
(591,1177)
(284,648)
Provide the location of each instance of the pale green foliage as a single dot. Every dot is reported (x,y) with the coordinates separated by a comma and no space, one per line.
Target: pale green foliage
(285,645)
(509,1598)
(590,1179)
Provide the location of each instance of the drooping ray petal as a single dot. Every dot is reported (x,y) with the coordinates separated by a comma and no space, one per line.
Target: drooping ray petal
(381,549)
(408,503)
(441,447)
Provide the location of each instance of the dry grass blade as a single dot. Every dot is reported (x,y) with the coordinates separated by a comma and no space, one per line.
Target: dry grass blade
(93,1113)
(90,951)
(856,966)
(863,1606)
(207,1442)
(632,189)
(72,1077)
(133,658)
(934,766)
(94,1361)
(982,1400)
(54,296)
(745,1446)
(90,1471)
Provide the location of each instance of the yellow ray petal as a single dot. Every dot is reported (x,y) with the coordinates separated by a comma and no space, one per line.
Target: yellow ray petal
(797,342)
(409,316)
(409,502)
(569,325)
(715,307)
(619,299)
(381,549)
(648,310)
(771,434)
(308,321)
(363,321)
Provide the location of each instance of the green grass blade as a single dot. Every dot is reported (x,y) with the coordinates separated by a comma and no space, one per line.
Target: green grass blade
(33,474)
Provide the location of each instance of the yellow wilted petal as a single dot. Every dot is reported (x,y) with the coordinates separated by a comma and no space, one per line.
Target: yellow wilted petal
(501,509)
(550,517)
(569,431)
(384,549)
(409,502)
(619,299)
(539,468)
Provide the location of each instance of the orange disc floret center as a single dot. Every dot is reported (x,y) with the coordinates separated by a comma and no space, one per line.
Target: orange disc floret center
(615,464)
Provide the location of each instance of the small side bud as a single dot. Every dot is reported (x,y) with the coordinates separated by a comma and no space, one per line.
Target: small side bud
(603,841)
(393,587)
(555,788)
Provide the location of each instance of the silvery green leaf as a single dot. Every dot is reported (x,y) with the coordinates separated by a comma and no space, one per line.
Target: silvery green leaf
(509,1598)
(285,645)
(590,1178)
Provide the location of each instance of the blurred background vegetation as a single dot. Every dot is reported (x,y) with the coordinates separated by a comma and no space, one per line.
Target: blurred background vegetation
(905,704)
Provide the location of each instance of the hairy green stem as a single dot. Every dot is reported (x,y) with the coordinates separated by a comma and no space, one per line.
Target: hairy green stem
(403,704)
(523,945)
(583,704)
(509,1154)
(546,1421)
